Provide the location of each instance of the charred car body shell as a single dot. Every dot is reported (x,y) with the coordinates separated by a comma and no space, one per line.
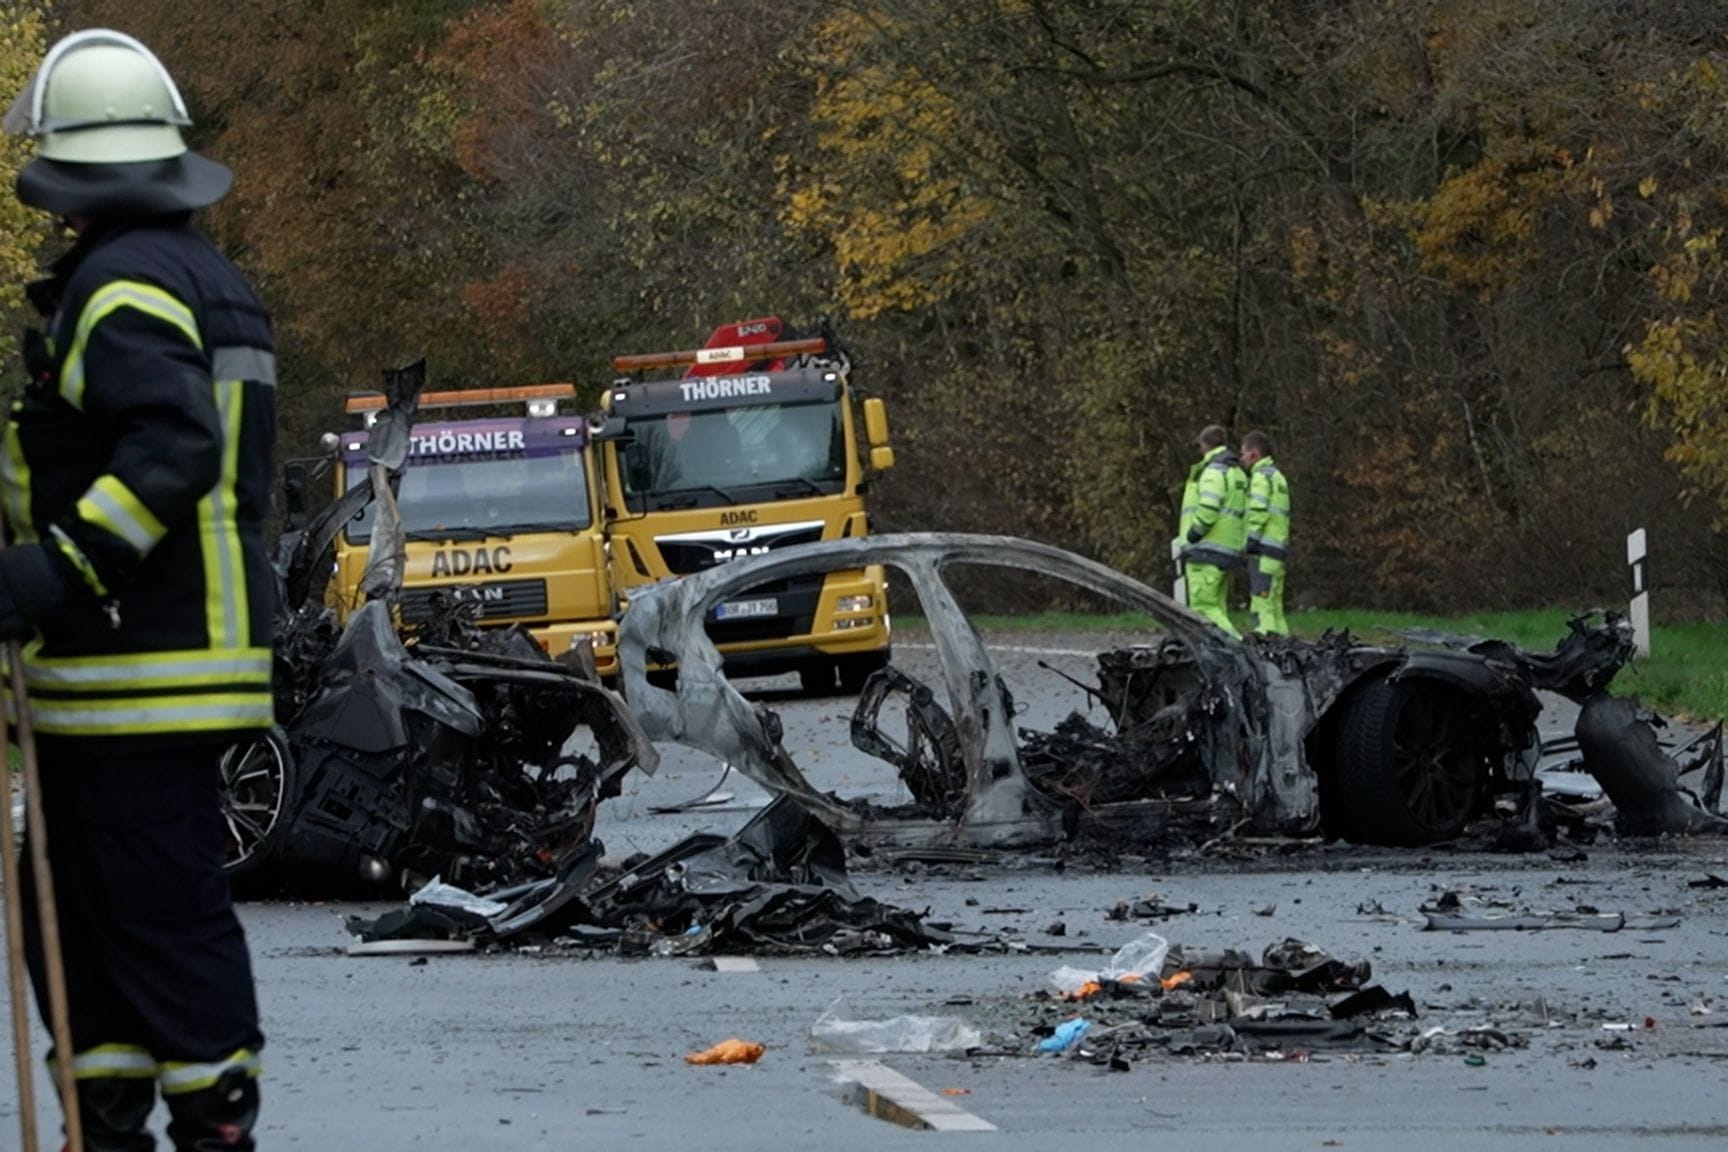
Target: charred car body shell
(1256,719)
(444,757)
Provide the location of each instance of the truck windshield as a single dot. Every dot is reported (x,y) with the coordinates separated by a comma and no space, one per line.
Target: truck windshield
(487,496)
(712,455)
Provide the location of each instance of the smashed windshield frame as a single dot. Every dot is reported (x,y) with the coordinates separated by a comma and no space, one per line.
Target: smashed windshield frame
(478,496)
(726,455)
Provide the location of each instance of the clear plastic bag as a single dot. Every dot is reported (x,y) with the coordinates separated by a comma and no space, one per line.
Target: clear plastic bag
(437,894)
(1138,960)
(830,1033)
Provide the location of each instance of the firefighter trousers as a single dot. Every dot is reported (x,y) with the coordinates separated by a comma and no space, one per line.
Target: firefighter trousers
(1208,593)
(1266,595)
(158,976)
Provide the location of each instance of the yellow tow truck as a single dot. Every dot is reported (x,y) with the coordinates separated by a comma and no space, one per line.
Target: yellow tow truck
(763,443)
(501,513)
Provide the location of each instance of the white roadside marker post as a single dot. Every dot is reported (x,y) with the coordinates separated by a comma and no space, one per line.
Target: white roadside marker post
(1636,555)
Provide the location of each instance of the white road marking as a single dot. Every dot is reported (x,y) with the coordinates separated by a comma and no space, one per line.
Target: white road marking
(886,1094)
(1010,648)
(735,964)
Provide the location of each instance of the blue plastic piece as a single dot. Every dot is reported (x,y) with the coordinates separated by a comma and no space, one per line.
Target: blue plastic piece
(1066,1035)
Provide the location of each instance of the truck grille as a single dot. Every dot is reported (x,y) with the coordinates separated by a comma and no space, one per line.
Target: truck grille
(686,556)
(496,599)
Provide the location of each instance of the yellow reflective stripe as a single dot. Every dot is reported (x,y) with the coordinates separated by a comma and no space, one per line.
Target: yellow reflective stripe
(116,509)
(178,1077)
(225,607)
(150,670)
(75,554)
(114,1061)
(15,471)
(212,712)
(111,297)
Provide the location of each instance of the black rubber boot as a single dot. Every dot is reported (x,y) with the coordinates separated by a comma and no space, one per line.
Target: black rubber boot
(114,1111)
(215,1119)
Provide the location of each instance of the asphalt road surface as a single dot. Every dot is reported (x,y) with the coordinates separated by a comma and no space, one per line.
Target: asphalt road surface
(1625,1047)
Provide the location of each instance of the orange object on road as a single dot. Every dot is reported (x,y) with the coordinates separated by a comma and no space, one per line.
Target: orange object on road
(732,1051)
(1176,980)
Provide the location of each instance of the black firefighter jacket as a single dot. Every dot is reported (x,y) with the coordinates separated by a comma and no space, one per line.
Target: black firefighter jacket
(140,457)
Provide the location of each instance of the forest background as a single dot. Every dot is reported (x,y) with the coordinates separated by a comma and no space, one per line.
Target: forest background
(1462,258)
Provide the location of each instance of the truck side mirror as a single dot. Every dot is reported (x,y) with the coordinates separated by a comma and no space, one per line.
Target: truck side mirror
(881,458)
(295,502)
(604,428)
(876,427)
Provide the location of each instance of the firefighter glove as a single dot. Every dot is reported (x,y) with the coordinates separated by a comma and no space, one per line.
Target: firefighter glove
(32,589)
(1196,534)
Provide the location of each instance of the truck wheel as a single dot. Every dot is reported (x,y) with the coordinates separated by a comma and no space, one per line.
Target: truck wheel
(817,678)
(260,786)
(854,670)
(1408,769)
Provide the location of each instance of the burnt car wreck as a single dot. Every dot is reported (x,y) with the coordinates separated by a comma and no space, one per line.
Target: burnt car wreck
(1393,745)
(449,755)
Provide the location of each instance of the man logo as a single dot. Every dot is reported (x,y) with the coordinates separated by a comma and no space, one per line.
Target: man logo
(739,534)
(484,594)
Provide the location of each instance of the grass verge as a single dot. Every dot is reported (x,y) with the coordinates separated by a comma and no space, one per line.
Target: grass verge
(1686,673)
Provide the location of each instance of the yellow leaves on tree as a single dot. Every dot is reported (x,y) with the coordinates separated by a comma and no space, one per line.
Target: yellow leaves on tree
(21,229)
(882,185)
(1683,359)
(1478,230)
(1682,355)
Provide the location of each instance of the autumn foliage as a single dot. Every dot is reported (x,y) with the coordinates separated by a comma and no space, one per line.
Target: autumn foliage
(1462,258)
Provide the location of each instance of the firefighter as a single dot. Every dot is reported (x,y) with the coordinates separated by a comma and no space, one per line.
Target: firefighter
(1268,534)
(136,471)
(1214,526)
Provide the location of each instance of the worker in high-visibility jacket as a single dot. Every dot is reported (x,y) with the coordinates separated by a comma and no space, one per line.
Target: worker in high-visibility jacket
(1214,527)
(136,480)
(1268,547)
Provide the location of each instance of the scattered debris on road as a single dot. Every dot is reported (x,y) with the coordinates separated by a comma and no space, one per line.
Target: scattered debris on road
(732,1051)
(779,886)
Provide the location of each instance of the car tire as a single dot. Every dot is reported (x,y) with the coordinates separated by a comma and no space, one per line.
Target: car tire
(260,789)
(855,670)
(816,678)
(1408,768)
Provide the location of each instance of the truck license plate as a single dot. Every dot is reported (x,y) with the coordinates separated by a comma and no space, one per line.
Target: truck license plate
(738,609)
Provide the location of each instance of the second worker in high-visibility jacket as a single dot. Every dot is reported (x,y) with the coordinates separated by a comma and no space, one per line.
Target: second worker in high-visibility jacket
(1268,534)
(1214,528)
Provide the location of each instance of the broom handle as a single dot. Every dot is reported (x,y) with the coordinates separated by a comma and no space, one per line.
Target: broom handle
(11,877)
(53,961)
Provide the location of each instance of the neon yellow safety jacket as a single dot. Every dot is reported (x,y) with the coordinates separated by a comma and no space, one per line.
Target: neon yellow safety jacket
(1214,510)
(1268,511)
(139,458)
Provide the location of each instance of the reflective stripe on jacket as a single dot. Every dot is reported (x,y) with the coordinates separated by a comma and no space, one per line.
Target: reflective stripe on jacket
(1215,503)
(1268,510)
(142,461)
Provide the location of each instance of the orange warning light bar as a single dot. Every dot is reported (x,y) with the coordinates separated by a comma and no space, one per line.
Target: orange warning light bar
(466,398)
(738,352)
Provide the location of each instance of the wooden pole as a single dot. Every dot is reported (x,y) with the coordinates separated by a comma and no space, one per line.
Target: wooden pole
(20,990)
(53,962)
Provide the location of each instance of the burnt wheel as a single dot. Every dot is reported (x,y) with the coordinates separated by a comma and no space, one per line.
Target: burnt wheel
(816,678)
(259,787)
(1409,769)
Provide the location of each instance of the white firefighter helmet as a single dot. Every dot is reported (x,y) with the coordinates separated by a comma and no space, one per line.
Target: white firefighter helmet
(109,117)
